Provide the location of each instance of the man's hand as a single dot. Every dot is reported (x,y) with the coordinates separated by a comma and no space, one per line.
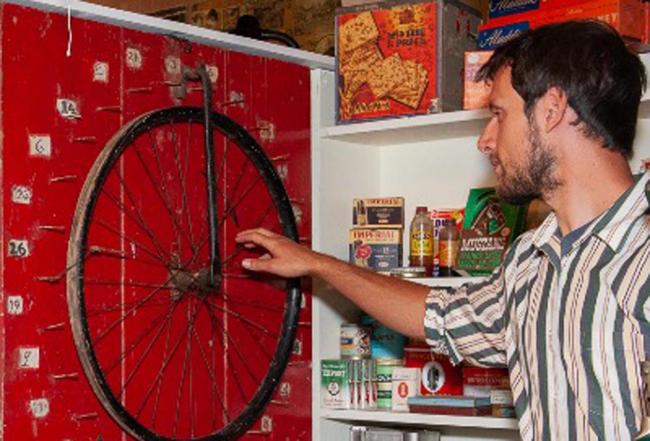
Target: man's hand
(284,257)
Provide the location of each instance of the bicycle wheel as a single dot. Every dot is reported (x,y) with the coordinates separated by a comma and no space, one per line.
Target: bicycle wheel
(169,355)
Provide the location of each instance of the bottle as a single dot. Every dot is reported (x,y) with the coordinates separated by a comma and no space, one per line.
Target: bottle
(421,240)
(448,247)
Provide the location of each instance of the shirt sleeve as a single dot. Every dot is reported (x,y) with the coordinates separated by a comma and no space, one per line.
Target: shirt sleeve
(467,323)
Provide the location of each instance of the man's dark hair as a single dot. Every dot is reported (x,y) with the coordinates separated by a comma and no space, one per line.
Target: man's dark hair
(589,61)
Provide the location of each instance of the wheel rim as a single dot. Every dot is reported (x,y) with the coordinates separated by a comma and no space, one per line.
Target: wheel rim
(160,332)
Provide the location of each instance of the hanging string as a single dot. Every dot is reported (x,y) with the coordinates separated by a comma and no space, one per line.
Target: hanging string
(68,52)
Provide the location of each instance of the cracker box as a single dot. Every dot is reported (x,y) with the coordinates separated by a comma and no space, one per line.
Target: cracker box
(476,94)
(406,383)
(626,16)
(402,57)
(375,248)
(378,212)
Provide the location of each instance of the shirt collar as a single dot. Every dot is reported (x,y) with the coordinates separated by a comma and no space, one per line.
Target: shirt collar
(612,225)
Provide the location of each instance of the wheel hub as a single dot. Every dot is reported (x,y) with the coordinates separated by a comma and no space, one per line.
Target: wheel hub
(198,282)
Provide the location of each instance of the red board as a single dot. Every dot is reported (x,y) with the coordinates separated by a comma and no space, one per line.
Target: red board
(111,76)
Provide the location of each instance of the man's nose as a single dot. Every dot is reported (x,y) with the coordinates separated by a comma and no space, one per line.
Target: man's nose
(487,141)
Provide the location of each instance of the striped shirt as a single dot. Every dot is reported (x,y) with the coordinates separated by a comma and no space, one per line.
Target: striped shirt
(571,329)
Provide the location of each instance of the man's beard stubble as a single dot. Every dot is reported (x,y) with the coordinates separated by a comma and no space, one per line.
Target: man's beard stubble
(536,179)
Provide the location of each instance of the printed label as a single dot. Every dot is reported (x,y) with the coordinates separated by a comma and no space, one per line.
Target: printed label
(21,194)
(100,72)
(18,248)
(493,38)
(68,108)
(421,243)
(173,65)
(40,145)
(213,73)
(499,8)
(133,58)
(14,305)
(40,407)
(28,358)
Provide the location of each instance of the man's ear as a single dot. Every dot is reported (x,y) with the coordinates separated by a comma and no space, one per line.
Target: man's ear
(552,108)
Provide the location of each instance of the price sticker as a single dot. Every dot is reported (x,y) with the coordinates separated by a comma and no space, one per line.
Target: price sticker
(15,305)
(173,65)
(21,194)
(133,58)
(28,358)
(68,108)
(213,73)
(40,145)
(100,72)
(18,248)
(39,407)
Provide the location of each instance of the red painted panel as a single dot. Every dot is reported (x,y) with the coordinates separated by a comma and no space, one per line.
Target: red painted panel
(112,76)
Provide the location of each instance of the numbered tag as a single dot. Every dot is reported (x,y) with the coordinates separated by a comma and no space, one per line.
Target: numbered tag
(68,108)
(40,145)
(283,171)
(303,301)
(133,58)
(173,65)
(39,407)
(21,194)
(213,73)
(28,358)
(18,248)
(266,424)
(14,305)
(100,72)
(297,347)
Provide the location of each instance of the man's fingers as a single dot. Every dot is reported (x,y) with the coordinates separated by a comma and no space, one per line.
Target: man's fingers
(256,264)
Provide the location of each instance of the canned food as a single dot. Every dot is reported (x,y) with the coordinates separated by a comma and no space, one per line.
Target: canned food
(385,369)
(355,341)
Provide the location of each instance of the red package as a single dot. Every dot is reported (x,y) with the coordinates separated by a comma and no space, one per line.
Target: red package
(439,376)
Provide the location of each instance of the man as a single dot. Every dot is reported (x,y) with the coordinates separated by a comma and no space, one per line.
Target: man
(567,311)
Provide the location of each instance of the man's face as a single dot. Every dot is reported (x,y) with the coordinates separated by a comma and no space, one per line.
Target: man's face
(523,163)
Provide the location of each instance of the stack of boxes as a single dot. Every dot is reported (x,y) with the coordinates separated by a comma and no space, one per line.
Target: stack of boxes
(376,234)
(507,19)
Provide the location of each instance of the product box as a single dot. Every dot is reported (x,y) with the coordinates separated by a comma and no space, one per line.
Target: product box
(480,382)
(406,383)
(437,375)
(375,248)
(476,94)
(402,57)
(335,384)
(489,228)
(438,217)
(505,8)
(378,212)
(626,16)
(461,405)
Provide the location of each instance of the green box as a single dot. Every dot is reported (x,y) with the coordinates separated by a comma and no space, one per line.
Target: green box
(490,227)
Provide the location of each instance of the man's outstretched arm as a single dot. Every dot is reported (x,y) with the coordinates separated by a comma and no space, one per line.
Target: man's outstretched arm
(396,303)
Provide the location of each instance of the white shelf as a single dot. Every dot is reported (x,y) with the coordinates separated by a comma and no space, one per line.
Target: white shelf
(420,419)
(410,129)
(447,281)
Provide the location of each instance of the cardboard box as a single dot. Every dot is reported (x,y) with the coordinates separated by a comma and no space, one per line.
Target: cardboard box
(377,249)
(626,16)
(490,227)
(378,212)
(402,57)
(480,382)
(476,94)
(406,383)
(335,384)
(504,8)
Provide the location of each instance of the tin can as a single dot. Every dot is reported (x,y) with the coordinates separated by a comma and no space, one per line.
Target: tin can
(355,341)
(384,342)
(385,368)
(408,272)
